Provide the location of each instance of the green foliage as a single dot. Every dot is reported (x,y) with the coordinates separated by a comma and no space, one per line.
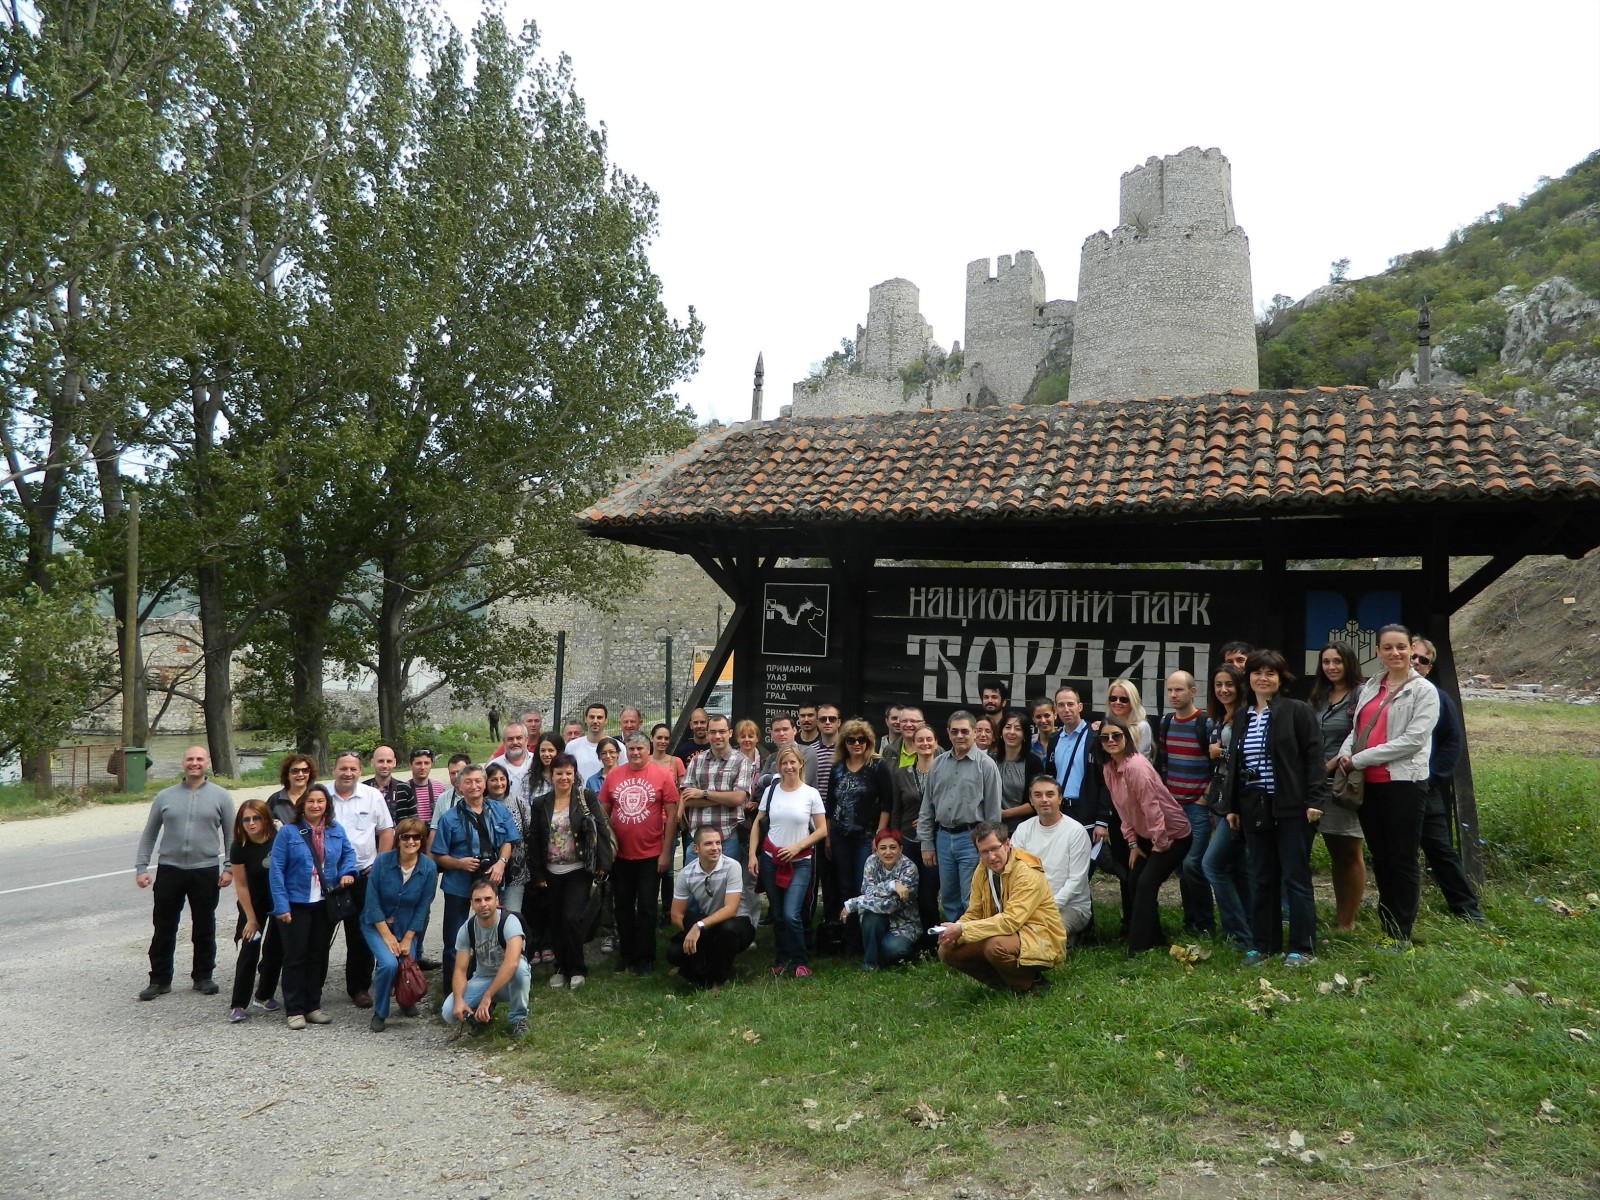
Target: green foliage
(932,365)
(1364,330)
(1539,813)
(842,359)
(1052,389)
(57,631)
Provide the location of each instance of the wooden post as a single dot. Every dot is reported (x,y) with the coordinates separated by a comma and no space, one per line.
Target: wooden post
(130,639)
(1436,566)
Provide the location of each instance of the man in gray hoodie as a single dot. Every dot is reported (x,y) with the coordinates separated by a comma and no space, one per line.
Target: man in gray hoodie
(194,819)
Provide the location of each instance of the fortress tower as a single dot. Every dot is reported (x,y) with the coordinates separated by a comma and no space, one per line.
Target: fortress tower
(1011,329)
(1164,302)
(895,335)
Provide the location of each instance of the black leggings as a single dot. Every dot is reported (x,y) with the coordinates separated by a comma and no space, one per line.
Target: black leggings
(265,950)
(1145,880)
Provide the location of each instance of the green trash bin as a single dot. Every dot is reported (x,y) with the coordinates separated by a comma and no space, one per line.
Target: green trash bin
(136,761)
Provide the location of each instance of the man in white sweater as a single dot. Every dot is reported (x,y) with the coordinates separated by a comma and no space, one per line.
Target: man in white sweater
(1063,847)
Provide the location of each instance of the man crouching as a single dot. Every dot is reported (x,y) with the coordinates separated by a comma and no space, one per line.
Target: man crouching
(1011,931)
(492,941)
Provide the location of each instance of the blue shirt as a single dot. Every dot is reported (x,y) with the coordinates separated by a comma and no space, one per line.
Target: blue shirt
(1069,761)
(457,837)
(402,902)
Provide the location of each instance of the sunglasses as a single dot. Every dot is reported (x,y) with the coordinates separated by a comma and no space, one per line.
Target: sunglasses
(1116,700)
(855,741)
(416,754)
(828,720)
(252,820)
(1422,660)
(1111,739)
(410,837)
(299,770)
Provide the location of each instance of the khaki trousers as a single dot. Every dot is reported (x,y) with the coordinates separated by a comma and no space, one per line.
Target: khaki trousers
(992,962)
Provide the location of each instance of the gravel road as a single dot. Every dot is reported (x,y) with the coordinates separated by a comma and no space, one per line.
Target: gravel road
(113,1098)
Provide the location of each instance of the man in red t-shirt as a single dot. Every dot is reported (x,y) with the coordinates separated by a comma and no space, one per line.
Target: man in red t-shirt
(641,801)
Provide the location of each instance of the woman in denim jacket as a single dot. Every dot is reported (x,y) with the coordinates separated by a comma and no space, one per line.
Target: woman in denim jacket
(1395,716)
(310,857)
(400,891)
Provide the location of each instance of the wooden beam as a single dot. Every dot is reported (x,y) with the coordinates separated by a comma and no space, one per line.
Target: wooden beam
(1473,585)
(713,669)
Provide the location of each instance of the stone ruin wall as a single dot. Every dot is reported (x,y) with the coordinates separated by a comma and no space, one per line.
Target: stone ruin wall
(1014,335)
(1164,301)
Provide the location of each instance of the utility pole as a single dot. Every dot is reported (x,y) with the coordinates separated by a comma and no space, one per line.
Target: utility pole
(130,645)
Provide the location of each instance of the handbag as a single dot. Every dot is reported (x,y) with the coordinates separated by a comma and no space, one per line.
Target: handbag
(1349,787)
(410,984)
(339,903)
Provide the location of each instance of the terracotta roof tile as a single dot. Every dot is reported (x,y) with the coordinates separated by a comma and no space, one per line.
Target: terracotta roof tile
(1220,454)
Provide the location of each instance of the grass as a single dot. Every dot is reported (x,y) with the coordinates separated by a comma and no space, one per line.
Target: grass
(1126,1070)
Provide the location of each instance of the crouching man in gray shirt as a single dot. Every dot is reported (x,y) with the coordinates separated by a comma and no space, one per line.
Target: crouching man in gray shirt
(193,819)
(713,912)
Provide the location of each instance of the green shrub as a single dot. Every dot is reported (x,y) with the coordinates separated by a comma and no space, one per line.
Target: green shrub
(1538,813)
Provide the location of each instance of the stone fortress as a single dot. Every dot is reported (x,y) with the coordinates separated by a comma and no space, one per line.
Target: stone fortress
(1164,308)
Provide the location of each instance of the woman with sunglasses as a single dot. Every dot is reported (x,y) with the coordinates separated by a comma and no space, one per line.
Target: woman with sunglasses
(1153,823)
(1333,700)
(1018,766)
(1122,702)
(860,791)
(295,773)
(1277,793)
(310,857)
(1395,716)
(256,934)
(400,891)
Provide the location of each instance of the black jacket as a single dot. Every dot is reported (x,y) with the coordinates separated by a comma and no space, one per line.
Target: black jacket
(1295,743)
(589,826)
(1093,806)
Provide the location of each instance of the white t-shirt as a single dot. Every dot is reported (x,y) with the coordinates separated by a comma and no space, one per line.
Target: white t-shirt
(363,816)
(1064,849)
(517,774)
(789,814)
(588,755)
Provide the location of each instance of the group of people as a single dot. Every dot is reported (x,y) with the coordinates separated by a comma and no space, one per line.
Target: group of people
(980,853)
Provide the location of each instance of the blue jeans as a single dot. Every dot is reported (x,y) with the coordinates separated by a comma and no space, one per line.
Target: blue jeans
(457,911)
(1225,872)
(958,859)
(385,967)
(1277,858)
(514,994)
(879,947)
(1198,915)
(788,930)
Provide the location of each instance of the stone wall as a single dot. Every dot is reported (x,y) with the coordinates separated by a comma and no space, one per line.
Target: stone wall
(1012,331)
(1165,305)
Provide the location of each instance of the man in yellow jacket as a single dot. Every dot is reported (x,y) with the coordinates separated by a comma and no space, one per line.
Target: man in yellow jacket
(1011,931)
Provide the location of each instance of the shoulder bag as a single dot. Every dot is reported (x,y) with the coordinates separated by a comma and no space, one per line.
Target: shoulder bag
(1349,787)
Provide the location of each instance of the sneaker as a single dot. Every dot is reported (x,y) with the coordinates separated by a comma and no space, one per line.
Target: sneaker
(607,945)
(235,1016)
(1387,946)
(558,980)
(546,956)
(270,1004)
(297,1022)
(779,971)
(206,986)
(1253,958)
(519,1028)
(802,972)
(317,1017)
(575,982)
(152,990)
(377,1024)
(408,1010)
(1298,960)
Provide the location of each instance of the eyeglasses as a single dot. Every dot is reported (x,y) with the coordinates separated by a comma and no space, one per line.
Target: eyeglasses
(252,820)
(855,741)
(1111,739)
(1422,660)
(299,770)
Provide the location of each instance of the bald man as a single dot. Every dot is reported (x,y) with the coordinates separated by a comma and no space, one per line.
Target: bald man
(193,819)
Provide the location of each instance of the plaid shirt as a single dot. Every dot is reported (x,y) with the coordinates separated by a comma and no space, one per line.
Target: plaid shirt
(734,772)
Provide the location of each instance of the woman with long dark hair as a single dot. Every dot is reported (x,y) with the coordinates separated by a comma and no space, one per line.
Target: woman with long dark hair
(569,848)
(1392,743)
(1224,864)
(1333,699)
(1157,832)
(909,785)
(1018,766)
(256,934)
(1277,793)
(310,858)
(538,944)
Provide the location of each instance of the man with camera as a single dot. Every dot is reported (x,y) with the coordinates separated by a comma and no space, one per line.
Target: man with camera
(472,844)
(491,942)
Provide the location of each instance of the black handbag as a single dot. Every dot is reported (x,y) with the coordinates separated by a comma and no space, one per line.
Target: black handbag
(339,903)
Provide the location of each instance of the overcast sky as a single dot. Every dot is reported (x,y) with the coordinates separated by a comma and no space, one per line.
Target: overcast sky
(805,152)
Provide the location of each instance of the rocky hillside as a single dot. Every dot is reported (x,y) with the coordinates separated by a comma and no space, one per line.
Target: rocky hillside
(1515,304)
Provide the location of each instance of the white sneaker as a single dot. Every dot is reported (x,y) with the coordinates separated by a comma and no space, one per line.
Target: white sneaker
(575,982)
(558,980)
(607,945)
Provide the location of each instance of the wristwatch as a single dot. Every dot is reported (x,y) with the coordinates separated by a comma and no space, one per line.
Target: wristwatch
(700,925)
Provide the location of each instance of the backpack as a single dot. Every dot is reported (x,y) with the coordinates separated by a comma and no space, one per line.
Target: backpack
(1202,731)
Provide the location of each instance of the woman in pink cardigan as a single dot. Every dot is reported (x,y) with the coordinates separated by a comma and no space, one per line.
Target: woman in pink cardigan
(1158,833)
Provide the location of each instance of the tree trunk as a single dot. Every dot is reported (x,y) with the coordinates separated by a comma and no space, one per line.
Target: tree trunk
(391,662)
(112,506)
(216,702)
(308,630)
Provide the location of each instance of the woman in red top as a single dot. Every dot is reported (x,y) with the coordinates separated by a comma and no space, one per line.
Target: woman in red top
(1158,833)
